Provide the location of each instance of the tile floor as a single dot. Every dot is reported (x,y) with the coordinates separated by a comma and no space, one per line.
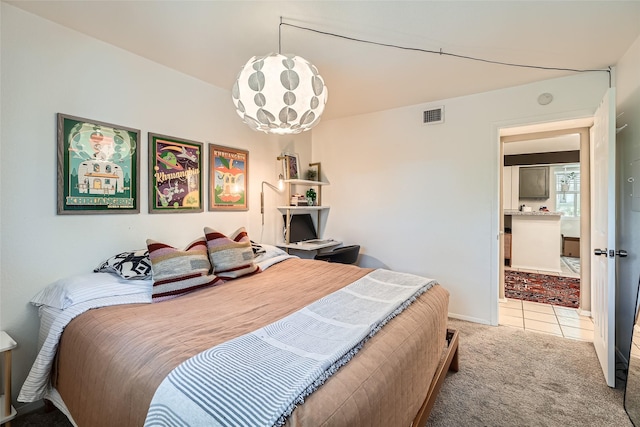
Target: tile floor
(546,318)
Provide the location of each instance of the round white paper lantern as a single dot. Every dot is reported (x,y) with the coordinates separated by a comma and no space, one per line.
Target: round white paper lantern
(280,94)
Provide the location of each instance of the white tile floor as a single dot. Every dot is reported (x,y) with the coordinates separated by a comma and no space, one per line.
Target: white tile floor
(546,318)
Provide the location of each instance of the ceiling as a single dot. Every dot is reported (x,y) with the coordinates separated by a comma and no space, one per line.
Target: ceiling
(212,40)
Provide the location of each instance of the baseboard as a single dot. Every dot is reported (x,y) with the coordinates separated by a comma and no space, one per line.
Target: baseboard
(582,312)
(469,319)
(532,269)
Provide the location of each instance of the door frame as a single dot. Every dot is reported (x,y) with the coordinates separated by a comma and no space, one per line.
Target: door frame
(550,129)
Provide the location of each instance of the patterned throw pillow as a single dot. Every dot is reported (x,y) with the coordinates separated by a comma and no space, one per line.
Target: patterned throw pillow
(257,249)
(128,265)
(231,257)
(176,272)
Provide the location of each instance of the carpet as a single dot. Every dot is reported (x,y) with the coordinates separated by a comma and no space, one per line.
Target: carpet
(556,290)
(511,377)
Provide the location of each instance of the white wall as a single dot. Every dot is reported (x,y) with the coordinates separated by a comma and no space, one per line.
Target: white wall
(48,69)
(628,238)
(570,226)
(424,198)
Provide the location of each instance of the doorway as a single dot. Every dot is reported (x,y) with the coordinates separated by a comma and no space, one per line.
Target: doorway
(561,148)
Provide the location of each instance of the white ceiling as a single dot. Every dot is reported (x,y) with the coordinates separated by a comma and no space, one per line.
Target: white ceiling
(211,40)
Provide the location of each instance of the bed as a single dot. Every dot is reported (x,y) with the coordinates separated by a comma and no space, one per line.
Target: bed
(110,361)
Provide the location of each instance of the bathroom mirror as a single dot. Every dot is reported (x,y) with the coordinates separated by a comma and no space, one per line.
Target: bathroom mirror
(632,389)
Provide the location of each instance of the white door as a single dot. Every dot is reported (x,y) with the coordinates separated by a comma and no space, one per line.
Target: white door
(603,234)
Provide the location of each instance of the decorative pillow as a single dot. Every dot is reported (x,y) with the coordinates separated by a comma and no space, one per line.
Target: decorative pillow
(177,272)
(231,257)
(257,248)
(272,255)
(68,291)
(129,265)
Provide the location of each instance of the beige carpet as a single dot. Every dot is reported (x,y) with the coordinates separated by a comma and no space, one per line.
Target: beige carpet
(511,377)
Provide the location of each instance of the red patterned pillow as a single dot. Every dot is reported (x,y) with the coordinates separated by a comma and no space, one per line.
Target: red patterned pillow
(231,257)
(176,272)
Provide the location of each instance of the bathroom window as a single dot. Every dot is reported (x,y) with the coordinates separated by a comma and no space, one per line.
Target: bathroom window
(568,189)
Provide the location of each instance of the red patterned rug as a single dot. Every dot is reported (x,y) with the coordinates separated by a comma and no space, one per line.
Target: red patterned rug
(556,290)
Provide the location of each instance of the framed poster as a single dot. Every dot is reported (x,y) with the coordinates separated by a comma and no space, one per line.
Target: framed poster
(291,166)
(98,167)
(175,175)
(228,178)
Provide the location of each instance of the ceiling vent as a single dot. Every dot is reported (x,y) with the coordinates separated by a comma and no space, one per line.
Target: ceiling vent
(434,116)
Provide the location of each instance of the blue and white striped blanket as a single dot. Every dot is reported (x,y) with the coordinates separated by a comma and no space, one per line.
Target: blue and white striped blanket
(259,378)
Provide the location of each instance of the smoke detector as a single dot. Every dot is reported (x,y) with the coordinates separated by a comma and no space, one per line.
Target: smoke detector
(545,98)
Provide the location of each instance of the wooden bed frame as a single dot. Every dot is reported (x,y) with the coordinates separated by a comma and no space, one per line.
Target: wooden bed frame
(449,362)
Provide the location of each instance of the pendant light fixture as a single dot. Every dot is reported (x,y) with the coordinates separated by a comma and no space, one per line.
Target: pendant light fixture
(279,94)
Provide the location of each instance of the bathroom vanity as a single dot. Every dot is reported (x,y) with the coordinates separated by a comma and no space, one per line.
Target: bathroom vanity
(535,240)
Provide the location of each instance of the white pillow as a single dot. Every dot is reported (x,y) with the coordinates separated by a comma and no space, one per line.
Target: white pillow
(271,256)
(66,292)
(268,251)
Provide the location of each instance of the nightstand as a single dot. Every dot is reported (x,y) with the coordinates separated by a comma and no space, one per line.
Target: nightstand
(7,412)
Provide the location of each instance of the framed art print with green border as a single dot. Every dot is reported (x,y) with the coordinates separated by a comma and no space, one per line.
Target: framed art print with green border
(98,167)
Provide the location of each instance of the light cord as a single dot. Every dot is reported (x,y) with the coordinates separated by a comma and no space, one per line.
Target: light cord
(442,52)
(280,37)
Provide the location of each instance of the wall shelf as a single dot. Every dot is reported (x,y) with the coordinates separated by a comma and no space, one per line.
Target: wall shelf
(304,182)
(292,210)
(303,208)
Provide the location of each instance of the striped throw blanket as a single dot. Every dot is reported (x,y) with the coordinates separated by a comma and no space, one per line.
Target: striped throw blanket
(258,379)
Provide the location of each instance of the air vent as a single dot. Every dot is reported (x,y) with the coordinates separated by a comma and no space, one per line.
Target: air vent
(431,117)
